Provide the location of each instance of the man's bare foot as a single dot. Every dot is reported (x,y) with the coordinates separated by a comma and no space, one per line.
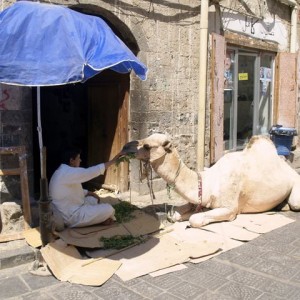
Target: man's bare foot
(108,222)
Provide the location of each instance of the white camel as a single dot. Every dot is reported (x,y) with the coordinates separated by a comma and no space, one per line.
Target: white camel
(249,181)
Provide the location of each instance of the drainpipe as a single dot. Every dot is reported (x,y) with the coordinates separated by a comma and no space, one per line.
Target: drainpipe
(293,37)
(202,83)
(294,29)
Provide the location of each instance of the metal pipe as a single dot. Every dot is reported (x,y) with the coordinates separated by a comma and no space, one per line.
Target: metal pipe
(202,84)
(293,41)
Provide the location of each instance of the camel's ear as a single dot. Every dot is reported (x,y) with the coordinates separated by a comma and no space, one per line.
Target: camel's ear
(167,146)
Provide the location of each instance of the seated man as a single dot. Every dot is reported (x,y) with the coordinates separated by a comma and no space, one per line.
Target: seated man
(77,206)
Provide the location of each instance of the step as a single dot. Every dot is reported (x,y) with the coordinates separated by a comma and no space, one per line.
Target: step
(16,253)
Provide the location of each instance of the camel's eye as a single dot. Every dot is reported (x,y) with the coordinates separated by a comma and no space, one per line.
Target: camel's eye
(146,147)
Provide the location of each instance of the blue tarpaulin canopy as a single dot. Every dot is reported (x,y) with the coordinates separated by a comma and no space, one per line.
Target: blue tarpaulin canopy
(46,44)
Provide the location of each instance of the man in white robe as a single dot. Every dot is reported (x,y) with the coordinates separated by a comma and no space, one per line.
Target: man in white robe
(77,206)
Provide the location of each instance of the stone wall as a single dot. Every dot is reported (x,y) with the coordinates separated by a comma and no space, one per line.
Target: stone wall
(15,130)
(167,39)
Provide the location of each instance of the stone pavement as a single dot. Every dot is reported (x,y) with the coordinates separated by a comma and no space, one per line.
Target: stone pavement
(267,267)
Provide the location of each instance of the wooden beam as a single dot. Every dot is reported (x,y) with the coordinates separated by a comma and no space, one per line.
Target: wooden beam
(8,172)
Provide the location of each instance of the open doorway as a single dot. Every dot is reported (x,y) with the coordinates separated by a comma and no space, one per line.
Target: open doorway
(92,116)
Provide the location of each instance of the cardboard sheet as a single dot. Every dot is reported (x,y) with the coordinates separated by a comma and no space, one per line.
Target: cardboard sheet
(168,270)
(231,231)
(67,264)
(262,222)
(163,253)
(158,253)
(33,237)
(89,237)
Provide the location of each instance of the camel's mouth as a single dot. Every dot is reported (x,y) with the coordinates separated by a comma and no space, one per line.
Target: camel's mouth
(131,147)
(134,148)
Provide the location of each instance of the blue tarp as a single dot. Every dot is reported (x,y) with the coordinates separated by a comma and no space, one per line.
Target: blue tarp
(46,44)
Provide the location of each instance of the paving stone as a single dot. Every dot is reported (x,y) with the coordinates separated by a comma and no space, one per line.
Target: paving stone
(70,292)
(187,290)
(117,291)
(217,267)
(11,272)
(259,241)
(212,296)
(251,249)
(276,269)
(246,260)
(166,281)
(238,291)
(250,279)
(166,296)
(283,260)
(40,295)
(12,287)
(147,290)
(204,279)
(36,282)
(279,247)
(296,278)
(266,296)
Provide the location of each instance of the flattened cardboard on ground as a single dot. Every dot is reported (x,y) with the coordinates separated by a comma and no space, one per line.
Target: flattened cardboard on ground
(196,235)
(33,237)
(67,264)
(183,233)
(230,230)
(262,222)
(89,237)
(168,270)
(158,253)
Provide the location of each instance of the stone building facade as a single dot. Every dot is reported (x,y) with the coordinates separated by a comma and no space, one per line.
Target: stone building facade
(250,75)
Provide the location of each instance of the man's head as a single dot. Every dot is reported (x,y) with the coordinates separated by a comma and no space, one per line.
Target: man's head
(71,157)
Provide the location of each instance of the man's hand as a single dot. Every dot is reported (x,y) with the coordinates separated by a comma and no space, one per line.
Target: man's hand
(113,161)
(94,195)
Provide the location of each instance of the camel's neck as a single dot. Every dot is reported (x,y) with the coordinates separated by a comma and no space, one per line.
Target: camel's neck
(177,174)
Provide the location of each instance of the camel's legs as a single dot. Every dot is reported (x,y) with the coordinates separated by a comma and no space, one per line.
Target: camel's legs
(183,212)
(214,215)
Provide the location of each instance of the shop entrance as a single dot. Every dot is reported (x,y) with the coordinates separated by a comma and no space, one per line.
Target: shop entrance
(247,96)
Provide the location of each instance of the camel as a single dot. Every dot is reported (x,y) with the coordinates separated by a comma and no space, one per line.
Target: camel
(254,180)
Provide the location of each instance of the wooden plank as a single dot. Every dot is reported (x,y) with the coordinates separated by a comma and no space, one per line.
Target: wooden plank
(24,188)
(8,172)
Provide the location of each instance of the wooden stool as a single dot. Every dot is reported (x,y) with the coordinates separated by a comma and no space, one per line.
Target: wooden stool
(22,172)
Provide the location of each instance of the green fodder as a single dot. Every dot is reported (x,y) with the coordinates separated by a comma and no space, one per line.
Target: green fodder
(121,241)
(125,158)
(123,211)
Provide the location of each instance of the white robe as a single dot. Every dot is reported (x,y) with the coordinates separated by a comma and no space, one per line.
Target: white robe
(69,198)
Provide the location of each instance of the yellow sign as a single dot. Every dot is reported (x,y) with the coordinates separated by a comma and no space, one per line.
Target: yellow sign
(243,76)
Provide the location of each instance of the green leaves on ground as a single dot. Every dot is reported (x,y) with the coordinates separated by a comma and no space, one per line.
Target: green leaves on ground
(123,211)
(121,241)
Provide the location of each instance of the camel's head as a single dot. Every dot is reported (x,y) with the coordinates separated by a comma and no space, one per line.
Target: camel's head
(151,148)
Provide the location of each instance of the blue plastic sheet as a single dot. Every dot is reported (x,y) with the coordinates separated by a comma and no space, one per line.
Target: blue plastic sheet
(46,44)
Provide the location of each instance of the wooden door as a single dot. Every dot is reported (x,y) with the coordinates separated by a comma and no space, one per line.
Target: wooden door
(108,127)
